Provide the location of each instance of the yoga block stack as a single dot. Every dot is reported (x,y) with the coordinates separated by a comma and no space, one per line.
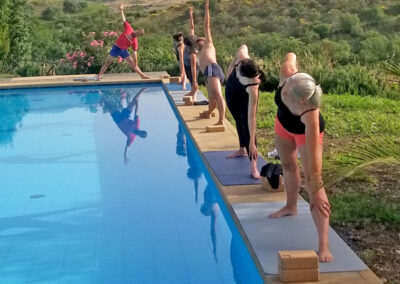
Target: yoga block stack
(188,101)
(298,266)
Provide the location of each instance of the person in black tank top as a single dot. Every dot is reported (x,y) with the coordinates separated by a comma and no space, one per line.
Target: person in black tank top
(241,94)
(299,128)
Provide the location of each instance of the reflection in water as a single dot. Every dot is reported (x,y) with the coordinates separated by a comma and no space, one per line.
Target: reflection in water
(92,100)
(195,172)
(122,116)
(12,110)
(180,142)
(210,208)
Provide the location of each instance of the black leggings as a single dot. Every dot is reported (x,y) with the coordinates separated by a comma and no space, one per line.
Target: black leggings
(238,105)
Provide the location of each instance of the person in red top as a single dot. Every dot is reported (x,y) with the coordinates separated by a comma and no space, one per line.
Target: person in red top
(127,39)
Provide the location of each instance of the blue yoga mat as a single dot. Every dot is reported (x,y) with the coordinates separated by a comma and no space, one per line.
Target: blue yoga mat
(234,171)
(178,87)
(267,236)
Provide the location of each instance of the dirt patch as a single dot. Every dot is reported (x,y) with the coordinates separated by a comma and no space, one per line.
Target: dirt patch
(378,247)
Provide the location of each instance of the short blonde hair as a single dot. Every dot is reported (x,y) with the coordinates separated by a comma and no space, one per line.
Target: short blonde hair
(303,86)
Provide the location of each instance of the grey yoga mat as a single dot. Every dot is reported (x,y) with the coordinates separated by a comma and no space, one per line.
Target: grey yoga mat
(234,171)
(267,236)
(177,94)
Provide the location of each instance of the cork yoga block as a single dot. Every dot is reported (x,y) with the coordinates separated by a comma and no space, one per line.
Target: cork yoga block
(265,185)
(188,101)
(204,114)
(174,80)
(298,259)
(215,128)
(298,275)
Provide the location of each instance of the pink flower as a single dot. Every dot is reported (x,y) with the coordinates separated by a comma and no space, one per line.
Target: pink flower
(113,34)
(82,54)
(94,43)
(89,64)
(91,58)
(119,59)
(105,34)
(75,64)
(101,43)
(69,57)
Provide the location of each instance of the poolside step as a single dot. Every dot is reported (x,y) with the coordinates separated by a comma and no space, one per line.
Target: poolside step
(215,128)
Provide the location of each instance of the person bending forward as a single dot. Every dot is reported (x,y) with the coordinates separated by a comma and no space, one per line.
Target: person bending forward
(241,94)
(299,126)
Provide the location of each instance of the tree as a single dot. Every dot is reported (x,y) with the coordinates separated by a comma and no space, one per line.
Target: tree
(20,34)
(4,29)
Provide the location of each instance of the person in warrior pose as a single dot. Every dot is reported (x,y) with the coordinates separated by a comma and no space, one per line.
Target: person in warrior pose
(120,48)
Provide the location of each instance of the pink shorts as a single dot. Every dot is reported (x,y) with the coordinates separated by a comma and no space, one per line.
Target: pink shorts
(300,139)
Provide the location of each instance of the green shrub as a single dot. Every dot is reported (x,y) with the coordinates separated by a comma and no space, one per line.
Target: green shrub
(70,7)
(31,69)
(50,14)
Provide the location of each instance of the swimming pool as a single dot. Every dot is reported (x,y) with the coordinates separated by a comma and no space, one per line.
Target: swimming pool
(76,209)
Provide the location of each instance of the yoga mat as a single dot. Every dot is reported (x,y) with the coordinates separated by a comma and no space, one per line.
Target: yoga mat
(85,79)
(178,97)
(267,236)
(232,171)
(178,87)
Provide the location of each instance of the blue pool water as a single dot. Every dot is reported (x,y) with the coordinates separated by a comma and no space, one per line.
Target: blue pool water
(74,210)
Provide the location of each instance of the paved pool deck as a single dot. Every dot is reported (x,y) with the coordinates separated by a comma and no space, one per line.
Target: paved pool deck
(216,141)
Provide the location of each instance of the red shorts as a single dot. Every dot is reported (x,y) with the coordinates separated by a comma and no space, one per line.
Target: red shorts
(300,139)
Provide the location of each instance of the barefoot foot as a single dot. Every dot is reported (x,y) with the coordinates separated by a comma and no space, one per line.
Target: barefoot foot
(255,175)
(284,211)
(324,254)
(239,153)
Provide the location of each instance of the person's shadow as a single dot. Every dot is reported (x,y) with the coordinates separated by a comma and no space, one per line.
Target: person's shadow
(129,126)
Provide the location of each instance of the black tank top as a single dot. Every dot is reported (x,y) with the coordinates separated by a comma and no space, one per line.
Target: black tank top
(233,85)
(289,121)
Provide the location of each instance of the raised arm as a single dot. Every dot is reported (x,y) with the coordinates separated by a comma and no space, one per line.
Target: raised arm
(207,22)
(289,67)
(122,11)
(191,21)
